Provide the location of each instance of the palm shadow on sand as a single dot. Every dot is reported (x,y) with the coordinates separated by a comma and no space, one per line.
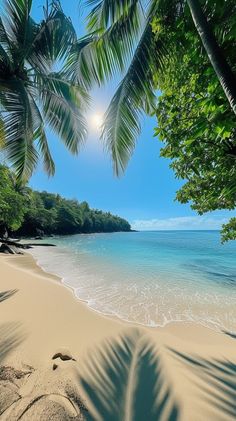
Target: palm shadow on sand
(126,380)
(10,333)
(10,337)
(218,382)
(7,294)
(231,334)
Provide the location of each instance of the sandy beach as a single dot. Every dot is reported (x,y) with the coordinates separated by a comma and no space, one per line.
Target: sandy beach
(179,372)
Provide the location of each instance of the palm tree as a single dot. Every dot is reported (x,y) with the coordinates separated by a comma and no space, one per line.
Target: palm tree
(33,92)
(121,33)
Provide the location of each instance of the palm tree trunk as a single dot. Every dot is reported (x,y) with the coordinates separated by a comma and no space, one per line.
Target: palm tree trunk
(217,59)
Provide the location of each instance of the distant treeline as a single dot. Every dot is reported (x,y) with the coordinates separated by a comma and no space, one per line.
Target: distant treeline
(26,212)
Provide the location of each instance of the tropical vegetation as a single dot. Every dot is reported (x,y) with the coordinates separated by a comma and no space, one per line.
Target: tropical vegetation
(26,212)
(11,202)
(195,122)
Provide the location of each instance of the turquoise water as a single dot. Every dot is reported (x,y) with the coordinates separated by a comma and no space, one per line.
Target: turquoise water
(152,278)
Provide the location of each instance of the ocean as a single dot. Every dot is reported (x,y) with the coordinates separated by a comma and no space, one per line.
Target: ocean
(150,278)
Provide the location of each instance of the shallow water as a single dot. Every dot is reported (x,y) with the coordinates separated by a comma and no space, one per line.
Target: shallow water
(151,278)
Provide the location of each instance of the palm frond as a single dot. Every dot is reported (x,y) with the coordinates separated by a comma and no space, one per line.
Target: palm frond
(99,55)
(54,38)
(107,12)
(5,64)
(41,138)
(2,133)
(43,146)
(79,65)
(23,156)
(122,120)
(18,127)
(5,52)
(19,26)
(4,40)
(61,107)
(29,89)
(39,44)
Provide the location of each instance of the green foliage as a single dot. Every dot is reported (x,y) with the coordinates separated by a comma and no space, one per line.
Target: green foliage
(27,212)
(195,120)
(228,231)
(49,213)
(12,204)
(32,94)
(38,218)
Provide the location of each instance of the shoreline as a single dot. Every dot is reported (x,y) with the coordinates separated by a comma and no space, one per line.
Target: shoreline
(116,317)
(212,325)
(45,317)
(32,267)
(27,268)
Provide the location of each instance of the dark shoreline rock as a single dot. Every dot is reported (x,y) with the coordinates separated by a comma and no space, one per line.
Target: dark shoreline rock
(9,249)
(15,247)
(17,244)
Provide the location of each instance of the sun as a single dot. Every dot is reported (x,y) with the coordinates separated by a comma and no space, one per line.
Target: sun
(97,121)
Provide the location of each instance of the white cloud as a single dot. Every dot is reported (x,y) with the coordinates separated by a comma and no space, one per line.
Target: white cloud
(179,223)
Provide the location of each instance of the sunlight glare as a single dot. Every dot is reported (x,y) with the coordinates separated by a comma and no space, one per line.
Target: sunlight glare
(97,121)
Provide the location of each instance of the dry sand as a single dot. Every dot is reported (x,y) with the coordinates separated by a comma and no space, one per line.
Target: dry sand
(122,371)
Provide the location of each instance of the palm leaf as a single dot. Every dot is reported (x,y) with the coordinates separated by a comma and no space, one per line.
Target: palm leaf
(29,90)
(61,102)
(122,126)
(41,138)
(107,12)
(20,28)
(40,44)
(48,162)
(5,62)
(54,38)
(98,56)
(79,66)
(17,18)
(4,40)
(18,127)
(23,156)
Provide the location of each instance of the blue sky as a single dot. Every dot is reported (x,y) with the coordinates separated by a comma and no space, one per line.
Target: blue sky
(145,194)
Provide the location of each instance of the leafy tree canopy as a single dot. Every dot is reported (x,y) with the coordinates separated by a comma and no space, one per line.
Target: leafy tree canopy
(28,213)
(195,121)
(12,204)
